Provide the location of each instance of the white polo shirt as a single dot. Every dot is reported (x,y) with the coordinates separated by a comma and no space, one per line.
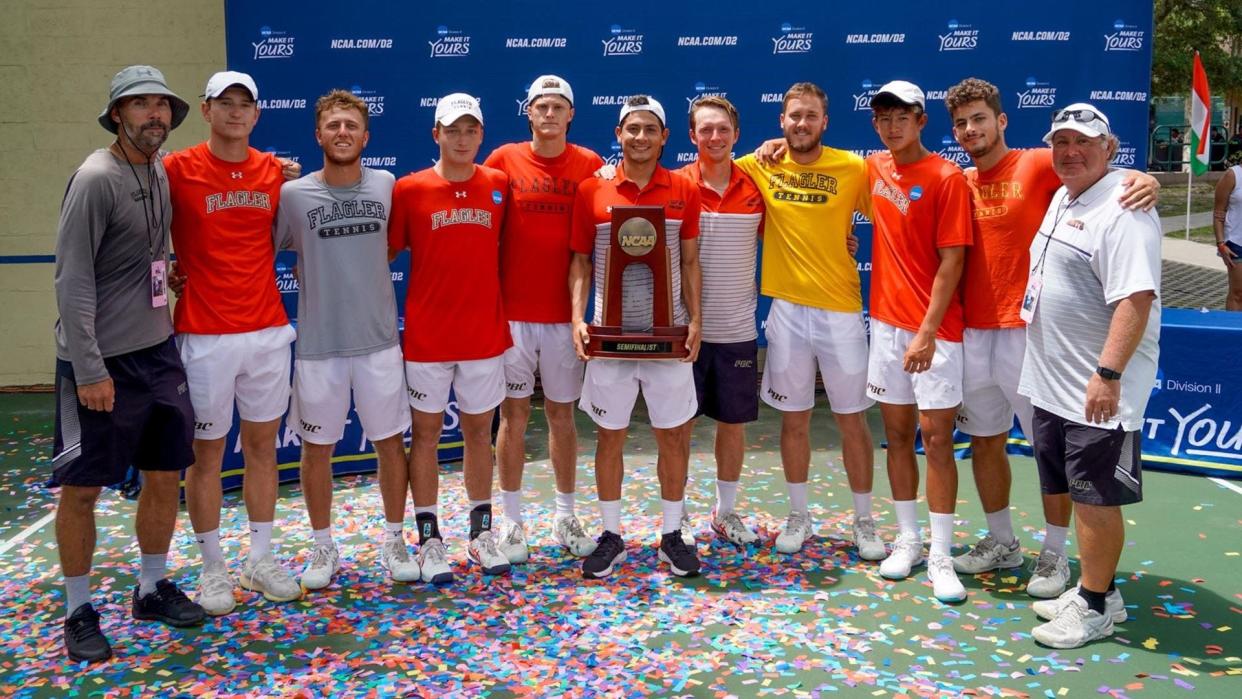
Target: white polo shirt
(1090,253)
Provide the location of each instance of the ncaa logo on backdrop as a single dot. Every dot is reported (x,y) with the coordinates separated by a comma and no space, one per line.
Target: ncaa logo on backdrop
(702,89)
(614,154)
(272,43)
(536,42)
(375,102)
(1118,96)
(389,161)
(792,40)
(281,103)
(622,42)
(951,151)
(1127,155)
(1125,37)
(449,43)
(1028,35)
(1038,95)
(362,42)
(961,37)
(862,100)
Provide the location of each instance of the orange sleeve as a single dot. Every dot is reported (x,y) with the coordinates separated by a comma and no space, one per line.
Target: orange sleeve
(495,159)
(582,233)
(955,222)
(501,184)
(1048,182)
(690,217)
(397,239)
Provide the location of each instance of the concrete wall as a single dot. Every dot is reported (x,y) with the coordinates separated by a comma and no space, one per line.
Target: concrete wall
(58,60)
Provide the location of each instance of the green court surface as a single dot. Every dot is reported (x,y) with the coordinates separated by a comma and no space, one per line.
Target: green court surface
(817,623)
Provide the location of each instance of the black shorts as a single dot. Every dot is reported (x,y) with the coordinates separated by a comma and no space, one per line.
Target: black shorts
(726,379)
(1235,249)
(151,425)
(1094,465)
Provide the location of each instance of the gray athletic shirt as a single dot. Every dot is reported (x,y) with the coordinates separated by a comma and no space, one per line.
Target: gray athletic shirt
(346,303)
(103,263)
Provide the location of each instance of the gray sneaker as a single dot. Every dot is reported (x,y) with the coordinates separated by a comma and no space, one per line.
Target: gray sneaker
(870,546)
(324,562)
(270,578)
(395,558)
(568,531)
(513,542)
(733,529)
(1114,606)
(484,551)
(1050,575)
(433,562)
(797,530)
(988,554)
(215,589)
(1075,625)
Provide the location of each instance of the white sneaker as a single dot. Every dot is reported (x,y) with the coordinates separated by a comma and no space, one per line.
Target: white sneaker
(733,529)
(324,562)
(988,554)
(1074,625)
(687,528)
(484,550)
(433,562)
(270,578)
(513,542)
(870,547)
(1049,576)
(215,589)
(906,554)
(945,585)
(797,530)
(569,533)
(395,558)
(1114,606)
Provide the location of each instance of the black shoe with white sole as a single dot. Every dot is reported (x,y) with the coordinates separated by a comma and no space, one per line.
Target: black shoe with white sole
(609,551)
(682,560)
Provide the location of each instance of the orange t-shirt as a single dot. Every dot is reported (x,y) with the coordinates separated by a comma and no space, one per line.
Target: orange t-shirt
(222,234)
(1010,199)
(453,310)
(916,210)
(534,244)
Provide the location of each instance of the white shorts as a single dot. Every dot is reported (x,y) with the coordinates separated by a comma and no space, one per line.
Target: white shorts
(799,337)
(478,384)
(549,348)
(990,399)
(321,389)
(612,385)
(251,368)
(888,382)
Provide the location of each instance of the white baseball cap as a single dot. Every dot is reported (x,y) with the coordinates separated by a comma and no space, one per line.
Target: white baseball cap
(550,85)
(1081,117)
(218,83)
(906,92)
(452,107)
(651,106)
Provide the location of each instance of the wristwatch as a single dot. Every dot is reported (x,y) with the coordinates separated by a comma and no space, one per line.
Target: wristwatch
(1107,374)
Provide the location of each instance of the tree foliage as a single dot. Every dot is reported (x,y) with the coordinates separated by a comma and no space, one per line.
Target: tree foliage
(1214,28)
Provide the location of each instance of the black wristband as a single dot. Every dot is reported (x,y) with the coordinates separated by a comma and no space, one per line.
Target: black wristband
(1108,374)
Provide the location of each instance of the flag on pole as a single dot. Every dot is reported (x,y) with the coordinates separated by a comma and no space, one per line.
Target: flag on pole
(1200,120)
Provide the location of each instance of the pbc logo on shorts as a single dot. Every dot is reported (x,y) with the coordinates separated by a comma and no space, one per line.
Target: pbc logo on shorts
(778,397)
(203,426)
(516,386)
(182,388)
(417,395)
(598,410)
(309,428)
(743,364)
(879,391)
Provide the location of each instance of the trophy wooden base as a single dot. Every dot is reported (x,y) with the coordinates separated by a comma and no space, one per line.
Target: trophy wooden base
(610,342)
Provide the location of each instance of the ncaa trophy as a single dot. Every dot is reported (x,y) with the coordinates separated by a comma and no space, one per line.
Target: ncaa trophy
(638,238)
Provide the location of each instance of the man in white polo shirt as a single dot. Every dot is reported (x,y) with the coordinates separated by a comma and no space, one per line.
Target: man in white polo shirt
(1093,328)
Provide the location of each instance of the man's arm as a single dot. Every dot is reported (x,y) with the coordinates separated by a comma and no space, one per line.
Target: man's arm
(1141,190)
(579,286)
(692,294)
(1125,330)
(83,220)
(923,347)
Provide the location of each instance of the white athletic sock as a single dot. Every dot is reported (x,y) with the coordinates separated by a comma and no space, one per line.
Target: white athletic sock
(1054,538)
(672,515)
(511,500)
(907,517)
(610,511)
(77,592)
(151,572)
(862,504)
(260,540)
(797,497)
(209,546)
(564,504)
(322,537)
(726,496)
(941,533)
(394,530)
(1000,526)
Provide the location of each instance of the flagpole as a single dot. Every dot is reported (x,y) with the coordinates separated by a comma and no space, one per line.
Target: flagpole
(1190,176)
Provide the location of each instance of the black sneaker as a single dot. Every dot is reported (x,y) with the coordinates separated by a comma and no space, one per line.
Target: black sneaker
(609,551)
(83,639)
(169,605)
(681,559)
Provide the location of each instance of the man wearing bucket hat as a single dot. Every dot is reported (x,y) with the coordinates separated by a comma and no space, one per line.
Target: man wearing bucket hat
(534,263)
(121,388)
(1092,310)
(233,334)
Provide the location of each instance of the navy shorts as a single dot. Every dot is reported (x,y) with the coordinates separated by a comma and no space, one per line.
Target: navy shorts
(151,425)
(1234,248)
(726,379)
(1094,465)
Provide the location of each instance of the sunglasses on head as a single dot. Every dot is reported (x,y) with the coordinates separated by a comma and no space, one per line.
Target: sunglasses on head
(1079,115)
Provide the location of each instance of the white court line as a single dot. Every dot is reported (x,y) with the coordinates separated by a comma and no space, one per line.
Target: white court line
(25,533)
(1218,481)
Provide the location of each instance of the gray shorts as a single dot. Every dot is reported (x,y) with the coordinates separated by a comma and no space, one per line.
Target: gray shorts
(1094,465)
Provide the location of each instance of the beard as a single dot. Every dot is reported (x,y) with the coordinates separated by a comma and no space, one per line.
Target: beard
(144,140)
(811,142)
